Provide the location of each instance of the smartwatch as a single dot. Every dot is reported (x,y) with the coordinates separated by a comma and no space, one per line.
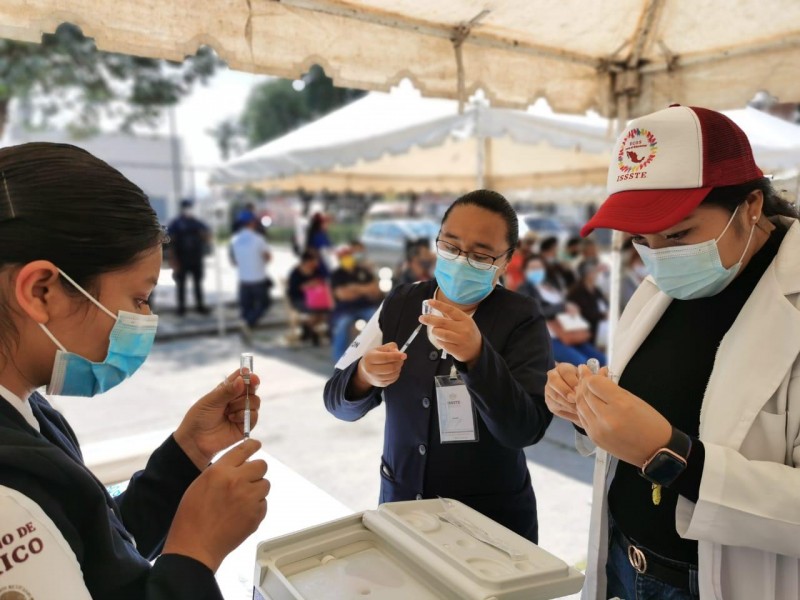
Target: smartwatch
(668,462)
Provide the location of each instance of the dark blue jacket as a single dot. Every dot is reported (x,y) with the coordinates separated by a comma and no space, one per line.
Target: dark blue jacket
(113,538)
(506,385)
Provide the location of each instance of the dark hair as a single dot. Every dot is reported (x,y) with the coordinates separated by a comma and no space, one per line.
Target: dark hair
(533,257)
(415,247)
(493,202)
(60,203)
(308,255)
(548,244)
(731,196)
(314,227)
(573,241)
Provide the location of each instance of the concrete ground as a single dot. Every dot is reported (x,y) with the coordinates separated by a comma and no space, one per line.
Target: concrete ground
(340,458)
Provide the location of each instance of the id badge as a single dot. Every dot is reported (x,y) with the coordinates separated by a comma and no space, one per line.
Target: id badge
(456,410)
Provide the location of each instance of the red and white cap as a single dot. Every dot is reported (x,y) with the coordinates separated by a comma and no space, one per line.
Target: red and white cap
(666,163)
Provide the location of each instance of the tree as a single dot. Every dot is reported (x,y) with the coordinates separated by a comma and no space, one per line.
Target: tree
(278,106)
(66,73)
(229,136)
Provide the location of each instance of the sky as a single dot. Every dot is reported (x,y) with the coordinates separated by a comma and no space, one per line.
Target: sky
(223,97)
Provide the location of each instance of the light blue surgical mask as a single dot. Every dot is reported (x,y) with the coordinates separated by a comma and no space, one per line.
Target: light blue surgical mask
(461,282)
(131,339)
(535,276)
(694,271)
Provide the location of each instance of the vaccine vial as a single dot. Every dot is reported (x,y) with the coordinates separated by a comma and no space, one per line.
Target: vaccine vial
(246,366)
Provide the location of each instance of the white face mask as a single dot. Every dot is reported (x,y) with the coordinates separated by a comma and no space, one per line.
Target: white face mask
(694,271)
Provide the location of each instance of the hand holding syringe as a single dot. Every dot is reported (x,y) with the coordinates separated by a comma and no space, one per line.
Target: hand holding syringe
(245,369)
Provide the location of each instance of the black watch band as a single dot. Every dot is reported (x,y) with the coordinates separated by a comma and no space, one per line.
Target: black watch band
(668,462)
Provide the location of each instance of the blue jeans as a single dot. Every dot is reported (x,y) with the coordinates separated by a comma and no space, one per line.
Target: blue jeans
(254,300)
(576,355)
(341,323)
(624,582)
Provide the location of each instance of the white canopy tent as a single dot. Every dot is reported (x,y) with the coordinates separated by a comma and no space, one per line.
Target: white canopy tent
(401,142)
(620,57)
(623,58)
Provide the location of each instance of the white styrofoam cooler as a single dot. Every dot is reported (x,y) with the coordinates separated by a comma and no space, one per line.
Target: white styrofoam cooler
(407,551)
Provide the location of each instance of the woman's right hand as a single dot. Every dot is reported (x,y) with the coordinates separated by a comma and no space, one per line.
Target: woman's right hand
(559,392)
(221,508)
(379,367)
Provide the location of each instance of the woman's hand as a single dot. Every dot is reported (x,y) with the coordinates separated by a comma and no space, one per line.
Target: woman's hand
(559,392)
(223,506)
(457,333)
(216,421)
(379,367)
(617,421)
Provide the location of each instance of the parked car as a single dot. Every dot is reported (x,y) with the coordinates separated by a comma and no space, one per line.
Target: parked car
(385,241)
(543,226)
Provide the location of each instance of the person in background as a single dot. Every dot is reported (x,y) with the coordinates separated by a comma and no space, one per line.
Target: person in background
(318,241)
(251,254)
(188,240)
(589,252)
(356,295)
(557,275)
(491,348)
(572,252)
(572,346)
(419,264)
(633,273)
(303,280)
(589,299)
(515,272)
(696,428)
(244,216)
(77,323)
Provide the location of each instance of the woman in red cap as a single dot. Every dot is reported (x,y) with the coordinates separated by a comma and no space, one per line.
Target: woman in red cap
(696,425)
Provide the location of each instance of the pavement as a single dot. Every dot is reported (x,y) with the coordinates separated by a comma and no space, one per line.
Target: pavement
(338,458)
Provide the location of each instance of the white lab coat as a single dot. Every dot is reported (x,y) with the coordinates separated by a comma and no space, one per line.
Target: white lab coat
(747,518)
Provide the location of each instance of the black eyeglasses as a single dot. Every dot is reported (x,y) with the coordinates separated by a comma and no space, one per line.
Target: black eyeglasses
(478,260)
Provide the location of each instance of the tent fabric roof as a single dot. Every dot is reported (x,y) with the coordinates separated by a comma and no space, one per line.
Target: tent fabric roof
(401,142)
(578,55)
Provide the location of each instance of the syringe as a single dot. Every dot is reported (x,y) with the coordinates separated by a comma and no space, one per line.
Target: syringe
(245,368)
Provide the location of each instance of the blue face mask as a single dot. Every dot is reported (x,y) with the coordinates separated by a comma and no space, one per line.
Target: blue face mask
(131,339)
(461,282)
(535,277)
(694,271)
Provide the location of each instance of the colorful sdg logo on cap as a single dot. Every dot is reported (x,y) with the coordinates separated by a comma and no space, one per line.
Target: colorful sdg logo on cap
(636,151)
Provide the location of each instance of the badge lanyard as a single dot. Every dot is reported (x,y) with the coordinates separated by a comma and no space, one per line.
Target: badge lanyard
(456,410)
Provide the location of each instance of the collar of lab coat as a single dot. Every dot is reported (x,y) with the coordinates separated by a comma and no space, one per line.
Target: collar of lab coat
(754,355)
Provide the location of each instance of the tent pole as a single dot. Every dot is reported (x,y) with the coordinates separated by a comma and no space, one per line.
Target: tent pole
(617,238)
(219,211)
(480,141)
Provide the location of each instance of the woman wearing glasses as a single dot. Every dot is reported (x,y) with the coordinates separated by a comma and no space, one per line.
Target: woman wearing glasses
(465,397)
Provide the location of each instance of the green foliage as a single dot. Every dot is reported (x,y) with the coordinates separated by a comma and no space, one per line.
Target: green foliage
(67,72)
(275,107)
(272,109)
